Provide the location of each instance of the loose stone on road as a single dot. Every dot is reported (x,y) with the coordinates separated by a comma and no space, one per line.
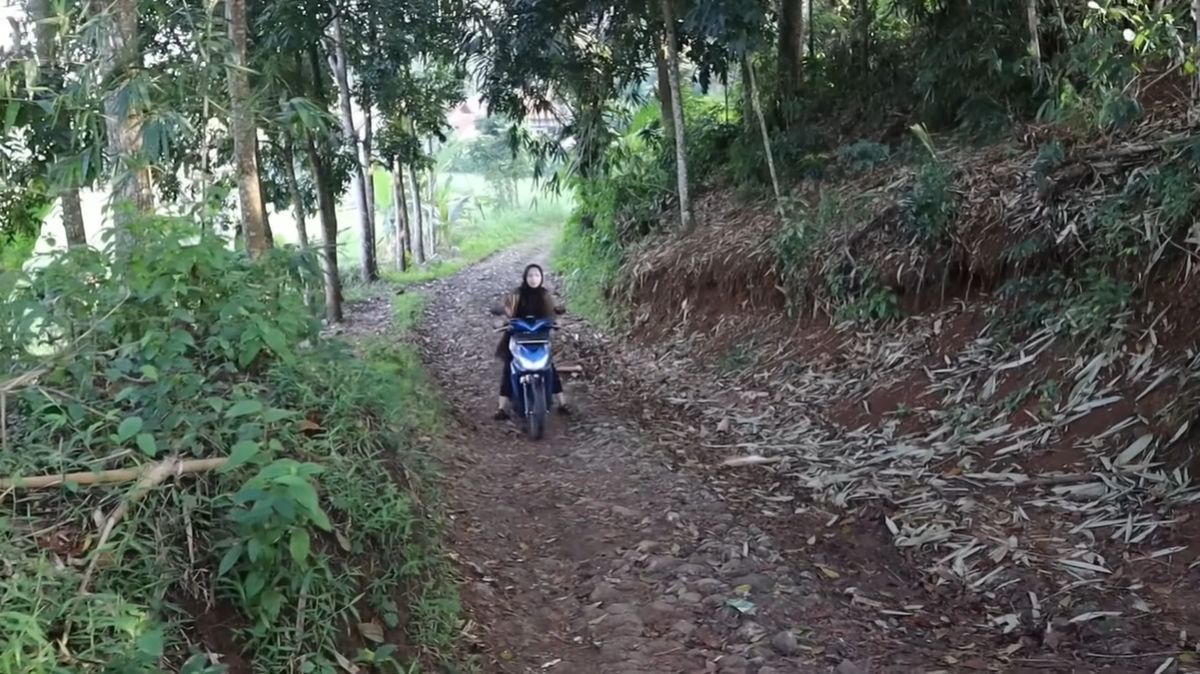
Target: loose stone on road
(585,552)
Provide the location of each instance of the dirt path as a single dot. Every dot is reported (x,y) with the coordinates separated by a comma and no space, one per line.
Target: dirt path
(585,552)
(615,546)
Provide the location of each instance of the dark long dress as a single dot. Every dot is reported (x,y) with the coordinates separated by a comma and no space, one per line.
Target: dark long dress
(530,303)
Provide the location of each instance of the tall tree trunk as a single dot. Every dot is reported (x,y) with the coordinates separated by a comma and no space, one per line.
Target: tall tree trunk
(418,233)
(810,28)
(326,199)
(72,217)
(433,225)
(46,37)
(766,137)
(266,214)
(338,64)
(664,94)
(865,10)
(245,143)
(327,204)
(791,48)
(368,142)
(1032,17)
(1196,81)
(289,172)
(747,99)
(131,176)
(400,205)
(681,171)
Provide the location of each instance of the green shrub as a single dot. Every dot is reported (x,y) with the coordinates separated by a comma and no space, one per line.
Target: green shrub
(804,229)
(1092,312)
(929,207)
(863,155)
(588,260)
(182,347)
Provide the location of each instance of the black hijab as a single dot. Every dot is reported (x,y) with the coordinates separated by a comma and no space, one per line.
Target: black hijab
(533,301)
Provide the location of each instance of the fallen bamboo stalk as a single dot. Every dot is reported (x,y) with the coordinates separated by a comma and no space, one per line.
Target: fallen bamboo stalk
(114,476)
(1047,481)
(569,369)
(750,460)
(152,476)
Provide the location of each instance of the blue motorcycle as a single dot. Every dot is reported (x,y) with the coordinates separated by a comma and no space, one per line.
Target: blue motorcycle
(531,374)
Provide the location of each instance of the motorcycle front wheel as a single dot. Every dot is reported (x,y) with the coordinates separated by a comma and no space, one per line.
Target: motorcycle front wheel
(535,408)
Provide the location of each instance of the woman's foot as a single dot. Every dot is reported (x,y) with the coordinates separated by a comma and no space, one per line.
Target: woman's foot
(501,409)
(560,401)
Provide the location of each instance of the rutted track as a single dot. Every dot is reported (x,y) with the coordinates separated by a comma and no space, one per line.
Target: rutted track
(607,548)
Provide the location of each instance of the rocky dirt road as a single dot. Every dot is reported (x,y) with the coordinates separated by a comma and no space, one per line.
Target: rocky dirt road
(602,550)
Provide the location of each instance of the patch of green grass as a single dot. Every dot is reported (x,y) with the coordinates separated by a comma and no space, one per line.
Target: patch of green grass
(406,311)
(485,234)
(740,358)
(588,265)
(431,272)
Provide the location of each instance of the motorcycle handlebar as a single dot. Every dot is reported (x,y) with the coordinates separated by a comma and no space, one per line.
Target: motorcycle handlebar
(506,325)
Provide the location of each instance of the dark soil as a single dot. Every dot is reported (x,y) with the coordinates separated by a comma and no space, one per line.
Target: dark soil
(618,545)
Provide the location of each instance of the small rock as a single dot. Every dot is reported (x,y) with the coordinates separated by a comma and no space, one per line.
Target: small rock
(483,590)
(761,653)
(683,628)
(619,625)
(757,581)
(849,667)
(750,632)
(786,643)
(709,585)
(662,563)
(621,650)
(736,567)
(734,664)
(605,593)
(690,597)
(691,570)
(622,511)
(656,613)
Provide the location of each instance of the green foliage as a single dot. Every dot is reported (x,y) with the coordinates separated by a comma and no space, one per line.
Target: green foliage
(863,155)
(588,260)
(40,596)
(183,347)
(797,241)
(496,154)
(484,231)
(1154,206)
(740,357)
(407,309)
(1050,156)
(861,298)
(929,206)
(1092,312)
(16,251)
(168,333)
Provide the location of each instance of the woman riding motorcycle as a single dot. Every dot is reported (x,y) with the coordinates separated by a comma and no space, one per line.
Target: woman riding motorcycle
(530,300)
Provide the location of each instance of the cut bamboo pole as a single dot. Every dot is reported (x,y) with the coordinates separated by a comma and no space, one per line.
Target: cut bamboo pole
(115,476)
